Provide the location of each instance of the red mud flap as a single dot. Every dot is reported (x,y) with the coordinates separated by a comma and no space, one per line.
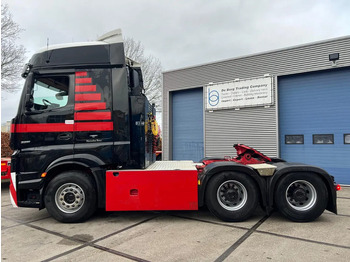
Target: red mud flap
(151,190)
(13,193)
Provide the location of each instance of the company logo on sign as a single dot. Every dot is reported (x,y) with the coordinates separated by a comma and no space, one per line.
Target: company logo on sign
(213,97)
(241,93)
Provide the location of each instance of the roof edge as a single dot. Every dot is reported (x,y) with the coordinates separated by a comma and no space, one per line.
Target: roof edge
(261,53)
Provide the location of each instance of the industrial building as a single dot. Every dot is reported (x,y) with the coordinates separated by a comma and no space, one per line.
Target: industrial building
(292,103)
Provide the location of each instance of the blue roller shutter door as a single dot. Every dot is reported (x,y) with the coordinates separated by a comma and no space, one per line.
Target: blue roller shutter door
(317,103)
(187,124)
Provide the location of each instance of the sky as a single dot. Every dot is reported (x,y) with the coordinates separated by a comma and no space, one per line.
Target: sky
(180,33)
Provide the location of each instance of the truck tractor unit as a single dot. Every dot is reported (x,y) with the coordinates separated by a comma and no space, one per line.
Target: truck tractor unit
(84,138)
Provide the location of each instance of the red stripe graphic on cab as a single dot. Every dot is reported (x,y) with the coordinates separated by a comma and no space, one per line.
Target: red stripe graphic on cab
(62,127)
(93,126)
(80,73)
(35,128)
(83,80)
(87,97)
(90,106)
(92,116)
(13,127)
(86,88)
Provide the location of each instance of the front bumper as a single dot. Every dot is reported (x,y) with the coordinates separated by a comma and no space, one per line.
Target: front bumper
(13,190)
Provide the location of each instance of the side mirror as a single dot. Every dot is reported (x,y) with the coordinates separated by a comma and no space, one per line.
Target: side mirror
(60,95)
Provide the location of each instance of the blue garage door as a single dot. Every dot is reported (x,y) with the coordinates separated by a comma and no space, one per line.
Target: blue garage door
(314,119)
(187,124)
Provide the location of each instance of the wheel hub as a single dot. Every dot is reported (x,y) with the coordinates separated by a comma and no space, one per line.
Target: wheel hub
(69,198)
(232,195)
(299,195)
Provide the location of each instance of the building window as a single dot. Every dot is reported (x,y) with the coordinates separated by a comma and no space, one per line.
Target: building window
(323,139)
(347,139)
(294,139)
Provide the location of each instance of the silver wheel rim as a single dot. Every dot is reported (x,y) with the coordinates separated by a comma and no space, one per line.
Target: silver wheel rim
(301,195)
(232,195)
(69,198)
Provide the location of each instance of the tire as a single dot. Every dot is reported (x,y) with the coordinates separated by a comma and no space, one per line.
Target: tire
(70,197)
(301,197)
(231,196)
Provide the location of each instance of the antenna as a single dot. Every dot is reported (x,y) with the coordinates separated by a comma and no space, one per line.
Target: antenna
(47,45)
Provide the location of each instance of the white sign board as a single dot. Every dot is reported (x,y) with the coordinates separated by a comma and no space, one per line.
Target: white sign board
(240,93)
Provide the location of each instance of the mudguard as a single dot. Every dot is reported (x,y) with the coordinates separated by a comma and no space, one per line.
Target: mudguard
(216,167)
(267,185)
(87,161)
(284,168)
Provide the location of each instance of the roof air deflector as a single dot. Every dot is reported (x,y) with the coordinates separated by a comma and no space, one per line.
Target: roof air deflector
(112,37)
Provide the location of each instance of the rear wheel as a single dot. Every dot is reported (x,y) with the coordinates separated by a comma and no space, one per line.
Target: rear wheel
(301,197)
(71,197)
(232,196)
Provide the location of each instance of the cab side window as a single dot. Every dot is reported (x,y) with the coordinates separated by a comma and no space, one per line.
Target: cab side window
(49,92)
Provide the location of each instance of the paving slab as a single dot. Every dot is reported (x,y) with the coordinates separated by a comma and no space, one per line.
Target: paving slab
(343,206)
(327,228)
(7,223)
(170,238)
(90,254)
(22,243)
(22,214)
(98,226)
(344,192)
(205,215)
(262,247)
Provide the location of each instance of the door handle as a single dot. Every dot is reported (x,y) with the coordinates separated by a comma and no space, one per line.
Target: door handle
(64,136)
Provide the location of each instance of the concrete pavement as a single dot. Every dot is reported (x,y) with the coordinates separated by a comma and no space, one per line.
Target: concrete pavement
(32,235)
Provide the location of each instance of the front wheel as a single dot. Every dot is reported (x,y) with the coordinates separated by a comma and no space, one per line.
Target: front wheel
(70,197)
(301,197)
(232,196)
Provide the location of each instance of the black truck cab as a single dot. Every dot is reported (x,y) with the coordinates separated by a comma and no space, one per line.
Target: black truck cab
(82,107)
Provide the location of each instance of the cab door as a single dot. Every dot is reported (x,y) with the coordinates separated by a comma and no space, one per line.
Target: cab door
(45,128)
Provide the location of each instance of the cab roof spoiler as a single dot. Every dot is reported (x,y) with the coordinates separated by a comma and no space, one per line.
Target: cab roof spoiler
(112,37)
